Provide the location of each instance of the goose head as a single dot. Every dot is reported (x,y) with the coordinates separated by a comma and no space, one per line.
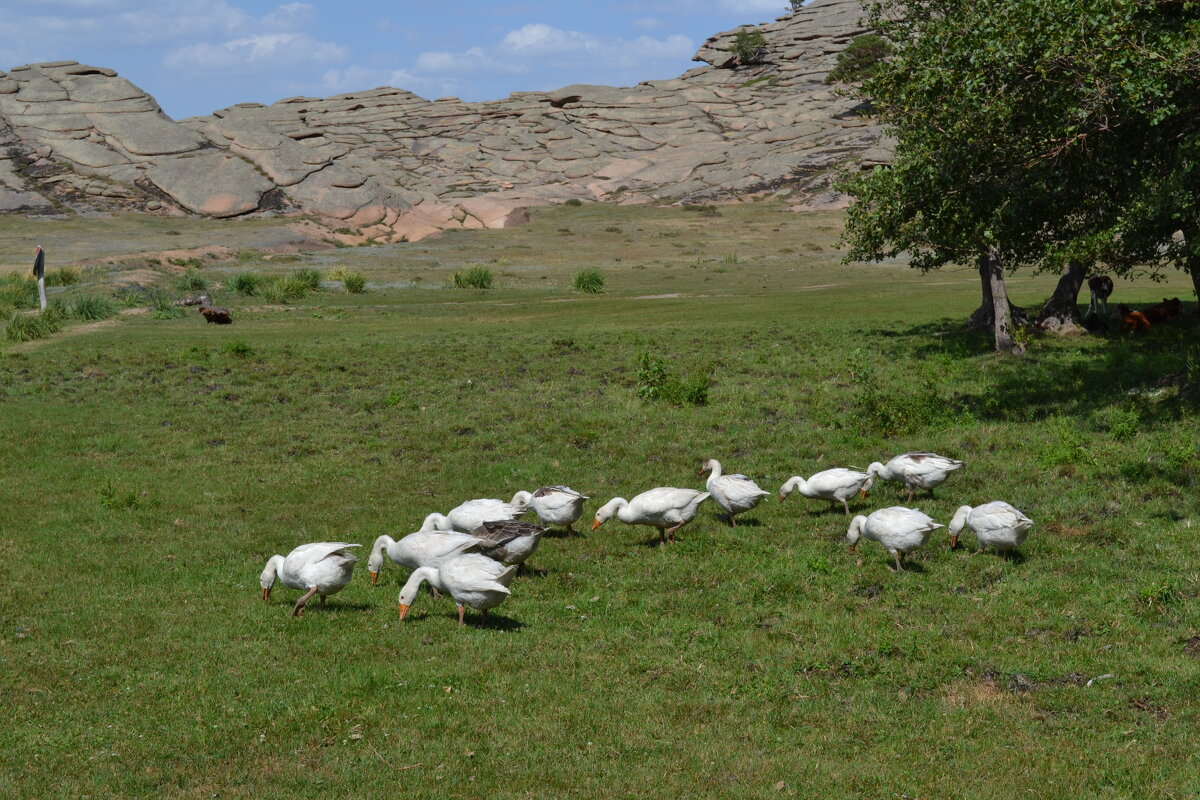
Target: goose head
(605,512)
(792,483)
(854,533)
(435,522)
(522,499)
(375,560)
(269,573)
(709,465)
(408,592)
(957,523)
(875,470)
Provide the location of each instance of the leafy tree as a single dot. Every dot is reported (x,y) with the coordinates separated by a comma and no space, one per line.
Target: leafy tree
(749,46)
(1028,132)
(860,59)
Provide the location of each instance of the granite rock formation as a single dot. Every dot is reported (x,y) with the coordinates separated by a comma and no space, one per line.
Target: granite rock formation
(393,165)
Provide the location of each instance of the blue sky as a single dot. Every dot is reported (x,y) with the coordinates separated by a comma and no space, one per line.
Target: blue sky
(195,56)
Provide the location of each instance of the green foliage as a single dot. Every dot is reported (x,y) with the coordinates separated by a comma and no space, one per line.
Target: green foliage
(1064,447)
(311,277)
(162,305)
(90,307)
(190,263)
(116,499)
(749,46)
(890,407)
(191,281)
(283,289)
(238,348)
(590,281)
(30,326)
(18,291)
(860,60)
(354,282)
(574,201)
(656,381)
(63,276)
(473,278)
(246,283)
(246,255)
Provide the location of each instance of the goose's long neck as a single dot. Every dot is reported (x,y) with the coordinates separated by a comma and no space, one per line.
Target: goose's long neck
(434,522)
(376,560)
(716,469)
(272,572)
(794,484)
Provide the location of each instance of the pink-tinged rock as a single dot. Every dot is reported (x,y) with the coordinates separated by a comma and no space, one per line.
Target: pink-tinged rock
(495,213)
(216,184)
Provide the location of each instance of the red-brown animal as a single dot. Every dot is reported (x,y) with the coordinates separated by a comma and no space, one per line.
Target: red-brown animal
(216,314)
(1132,321)
(1101,287)
(1165,311)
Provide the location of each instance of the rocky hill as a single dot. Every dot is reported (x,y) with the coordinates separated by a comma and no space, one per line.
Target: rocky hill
(392,165)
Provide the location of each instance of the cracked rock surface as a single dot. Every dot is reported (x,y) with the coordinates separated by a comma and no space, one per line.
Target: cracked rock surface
(400,166)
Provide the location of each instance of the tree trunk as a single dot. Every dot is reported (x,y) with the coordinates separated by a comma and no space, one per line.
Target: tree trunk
(1061,312)
(1191,238)
(985,315)
(1002,317)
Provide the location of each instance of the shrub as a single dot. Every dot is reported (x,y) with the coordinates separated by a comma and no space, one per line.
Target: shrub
(238,348)
(355,282)
(474,278)
(574,201)
(246,283)
(92,307)
(860,59)
(192,281)
(590,281)
(162,306)
(657,382)
(310,276)
(190,263)
(749,46)
(27,327)
(284,288)
(65,276)
(18,291)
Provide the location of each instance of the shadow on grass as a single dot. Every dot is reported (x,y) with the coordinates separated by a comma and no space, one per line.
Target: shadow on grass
(1068,376)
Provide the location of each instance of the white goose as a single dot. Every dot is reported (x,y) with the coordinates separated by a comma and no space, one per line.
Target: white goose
(321,567)
(735,493)
(836,485)
(665,508)
(472,580)
(420,549)
(916,470)
(995,524)
(901,530)
(470,515)
(558,505)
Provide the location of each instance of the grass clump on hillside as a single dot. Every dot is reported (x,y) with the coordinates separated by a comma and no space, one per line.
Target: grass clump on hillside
(246,283)
(26,327)
(474,278)
(284,288)
(18,291)
(590,281)
(191,281)
(657,381)
(63,276)
(91,307)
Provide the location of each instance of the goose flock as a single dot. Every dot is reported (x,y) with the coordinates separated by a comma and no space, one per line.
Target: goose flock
(475,550)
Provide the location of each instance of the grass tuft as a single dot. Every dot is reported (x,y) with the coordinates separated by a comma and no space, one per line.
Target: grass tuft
(590,281)
(473,278)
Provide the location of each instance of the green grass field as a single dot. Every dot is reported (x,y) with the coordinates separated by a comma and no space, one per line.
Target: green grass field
(154,464)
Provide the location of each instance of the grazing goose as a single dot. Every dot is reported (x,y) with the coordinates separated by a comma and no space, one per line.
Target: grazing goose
(473,513)
(472,580)
(916,470)
(322,568)
(835,485)
(420,549)
(558,505)
(510,541)
(996,524)
(734,493)
(665,508)
(901,530)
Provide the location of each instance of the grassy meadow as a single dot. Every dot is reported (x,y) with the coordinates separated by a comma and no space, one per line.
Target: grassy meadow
(154,463)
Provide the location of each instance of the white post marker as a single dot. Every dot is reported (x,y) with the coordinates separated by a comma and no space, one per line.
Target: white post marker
(39,272)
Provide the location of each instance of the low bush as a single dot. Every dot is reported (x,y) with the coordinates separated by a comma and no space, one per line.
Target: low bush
(18,291)
(284,288)
(65,276)
(590,281)
(191,281)
(28,327)
(655,381)
(749,46)
(90,307)
(860,59)
(355,282)
(474,278)
(246,283)
(311,277)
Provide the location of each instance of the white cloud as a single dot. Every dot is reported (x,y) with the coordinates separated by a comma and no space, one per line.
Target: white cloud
(776,8)
(268,50)
(357,78)
(472,61)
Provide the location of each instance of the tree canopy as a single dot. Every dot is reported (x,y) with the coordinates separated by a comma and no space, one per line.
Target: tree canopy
(1033,132)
